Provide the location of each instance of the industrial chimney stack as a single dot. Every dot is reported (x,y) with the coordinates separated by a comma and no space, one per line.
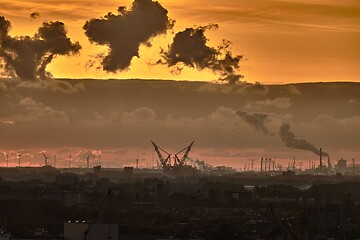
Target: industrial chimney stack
(321,168)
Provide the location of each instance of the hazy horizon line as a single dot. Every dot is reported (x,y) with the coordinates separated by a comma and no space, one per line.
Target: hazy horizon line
(217,82)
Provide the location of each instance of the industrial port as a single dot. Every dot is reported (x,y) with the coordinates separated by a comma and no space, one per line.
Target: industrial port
(180,120)
(183,198)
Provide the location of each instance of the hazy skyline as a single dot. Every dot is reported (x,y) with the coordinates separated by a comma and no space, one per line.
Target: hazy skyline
(120,118)
(227,52)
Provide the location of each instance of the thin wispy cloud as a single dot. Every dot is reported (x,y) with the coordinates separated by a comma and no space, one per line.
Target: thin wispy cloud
(280,14)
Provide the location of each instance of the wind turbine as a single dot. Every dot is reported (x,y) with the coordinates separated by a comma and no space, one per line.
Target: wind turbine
(46,158)
(87,160)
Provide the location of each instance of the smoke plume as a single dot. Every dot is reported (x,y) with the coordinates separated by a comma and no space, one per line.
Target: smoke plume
(257,120)
(260,121)
(27,57)
(189,48)
(124,32)
(200,165)
(291,141)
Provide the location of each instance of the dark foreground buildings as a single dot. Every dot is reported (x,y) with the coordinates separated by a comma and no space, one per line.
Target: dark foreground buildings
(47,203)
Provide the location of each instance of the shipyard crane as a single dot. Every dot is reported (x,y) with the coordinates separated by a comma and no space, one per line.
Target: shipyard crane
(164,161)
(105,204)
(291,226)
(181,161)
(288,223)
(46,158)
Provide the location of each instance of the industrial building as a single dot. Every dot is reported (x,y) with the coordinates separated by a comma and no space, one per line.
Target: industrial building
(90,231)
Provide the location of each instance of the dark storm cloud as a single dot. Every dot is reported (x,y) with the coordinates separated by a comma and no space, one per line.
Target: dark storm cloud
(35,15)
(189,48)
(257,120)
(124,32)
(292,141)
(27,57)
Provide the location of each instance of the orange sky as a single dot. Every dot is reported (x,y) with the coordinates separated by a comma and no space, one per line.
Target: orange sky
(282,41)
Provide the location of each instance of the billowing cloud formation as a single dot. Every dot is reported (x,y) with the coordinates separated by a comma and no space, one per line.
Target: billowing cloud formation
(125,32)
(291,141)
(27,57)
(280,103)
(257,120)
(38,113)
(138,117)
(54,86)
(189,48)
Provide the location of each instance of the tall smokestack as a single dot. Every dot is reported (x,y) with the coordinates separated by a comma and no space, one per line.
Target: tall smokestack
(266,163)
(329,165)
(320,160)
(269,167)
(354,166)
(262,159)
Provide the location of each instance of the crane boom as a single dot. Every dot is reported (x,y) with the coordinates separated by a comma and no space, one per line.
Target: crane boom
(103,207)
(164,161)
(290,226)
(183,159)
(101,212)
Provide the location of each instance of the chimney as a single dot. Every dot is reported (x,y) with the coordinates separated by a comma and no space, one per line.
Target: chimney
(262,159)
(269,167)
(265,163)
(320,160)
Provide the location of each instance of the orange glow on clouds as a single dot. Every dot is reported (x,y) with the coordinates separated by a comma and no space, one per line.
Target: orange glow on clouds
(283,41)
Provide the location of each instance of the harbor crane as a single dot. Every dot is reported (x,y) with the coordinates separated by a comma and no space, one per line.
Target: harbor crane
(289,223)
(165,162)
(182,161)
(104,206)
